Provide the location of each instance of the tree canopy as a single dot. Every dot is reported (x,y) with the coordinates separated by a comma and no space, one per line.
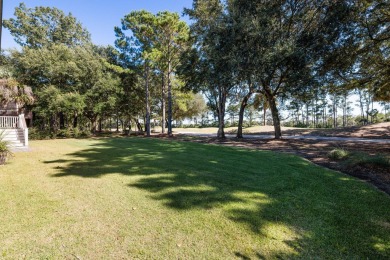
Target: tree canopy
(42,26)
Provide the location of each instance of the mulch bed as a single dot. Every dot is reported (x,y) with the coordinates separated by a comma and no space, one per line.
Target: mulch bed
(316,152)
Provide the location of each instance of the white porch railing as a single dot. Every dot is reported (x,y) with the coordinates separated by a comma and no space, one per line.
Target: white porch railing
(9,121)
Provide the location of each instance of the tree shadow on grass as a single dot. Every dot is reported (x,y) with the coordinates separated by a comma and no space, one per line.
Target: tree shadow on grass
(312,212)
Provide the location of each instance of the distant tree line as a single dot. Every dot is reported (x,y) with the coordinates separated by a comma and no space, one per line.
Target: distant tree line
(250,60)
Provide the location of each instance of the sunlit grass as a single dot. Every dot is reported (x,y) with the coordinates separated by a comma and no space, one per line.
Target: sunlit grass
(140,198)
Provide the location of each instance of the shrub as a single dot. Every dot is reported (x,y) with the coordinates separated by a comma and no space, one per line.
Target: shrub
(338,154)
(366,159)
(65,133)
(5,151)
(37,134)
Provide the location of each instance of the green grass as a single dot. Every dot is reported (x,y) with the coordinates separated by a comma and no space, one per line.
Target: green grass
(143,198)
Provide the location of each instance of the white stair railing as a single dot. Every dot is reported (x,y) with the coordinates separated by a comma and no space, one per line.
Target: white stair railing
(23,125)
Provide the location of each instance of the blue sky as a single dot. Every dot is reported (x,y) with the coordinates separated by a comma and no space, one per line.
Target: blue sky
(98,16)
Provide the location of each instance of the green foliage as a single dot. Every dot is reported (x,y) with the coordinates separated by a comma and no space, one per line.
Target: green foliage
(68,80)
(373,51)
(5,72)
(379,160)
(153,48)
(39,134)
(69,132)
(43,26)
(338,154)
(4,146)
(210,66)
(275,47)
(187,105)
(68,68)
(5,150)
(352,159)
(12,91)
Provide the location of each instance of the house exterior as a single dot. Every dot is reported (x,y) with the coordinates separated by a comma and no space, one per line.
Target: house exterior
(13,126)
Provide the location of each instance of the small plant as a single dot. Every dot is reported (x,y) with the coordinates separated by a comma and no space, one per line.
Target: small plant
(379,160)
(5,151)
(338,154)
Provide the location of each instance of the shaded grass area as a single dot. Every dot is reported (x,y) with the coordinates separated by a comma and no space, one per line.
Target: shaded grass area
(149,198)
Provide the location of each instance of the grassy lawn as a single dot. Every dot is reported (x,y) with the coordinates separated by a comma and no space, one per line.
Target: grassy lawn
(143,198)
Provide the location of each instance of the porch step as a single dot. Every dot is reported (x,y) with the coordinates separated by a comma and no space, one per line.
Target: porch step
(15,137)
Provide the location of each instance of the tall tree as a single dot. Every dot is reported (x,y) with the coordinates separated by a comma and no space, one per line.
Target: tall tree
(208,67)
(77,78)
(161,39)
(42,26)
(280,43)
(137,49)
(172,38)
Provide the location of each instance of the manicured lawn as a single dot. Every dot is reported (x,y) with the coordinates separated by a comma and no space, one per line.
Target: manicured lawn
(140,198)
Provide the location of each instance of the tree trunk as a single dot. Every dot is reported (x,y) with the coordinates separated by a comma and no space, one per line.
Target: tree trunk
(361,103)
(372,108)
(62,120)
(169,100)
(100,124)
(139,126)
(307,115)
(316,113)
(163,104)
(345,111)
(53,124)
(93,124)
(75,119)
(275,114)
(334,112)
(244,103)
(221,113)
(147,94)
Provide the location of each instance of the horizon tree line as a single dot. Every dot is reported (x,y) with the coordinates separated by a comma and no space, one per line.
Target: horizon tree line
(306,57)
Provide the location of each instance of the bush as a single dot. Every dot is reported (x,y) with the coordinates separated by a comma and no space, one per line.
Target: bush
(338,154)
(301,125)
(366,159)
(5,151)
(65,133)
(37,134)
(85,133)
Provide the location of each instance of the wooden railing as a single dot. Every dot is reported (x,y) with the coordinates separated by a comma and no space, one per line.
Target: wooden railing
(9,122)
